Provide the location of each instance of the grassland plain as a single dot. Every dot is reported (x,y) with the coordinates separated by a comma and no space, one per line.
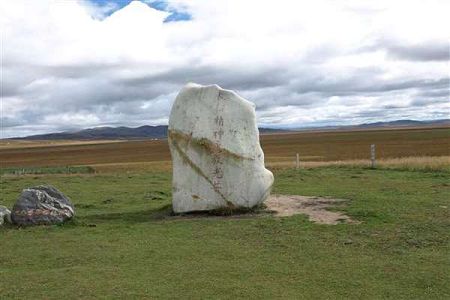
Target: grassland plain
(124,243)
(279,149)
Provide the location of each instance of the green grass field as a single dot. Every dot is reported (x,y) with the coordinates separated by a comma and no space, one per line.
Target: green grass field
(124,244)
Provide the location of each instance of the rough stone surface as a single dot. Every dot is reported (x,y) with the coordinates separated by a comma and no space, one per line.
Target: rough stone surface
(42,205)
(5,215)
(217,159)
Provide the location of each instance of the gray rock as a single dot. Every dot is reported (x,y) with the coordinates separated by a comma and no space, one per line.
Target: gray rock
(5,215)
(42,205)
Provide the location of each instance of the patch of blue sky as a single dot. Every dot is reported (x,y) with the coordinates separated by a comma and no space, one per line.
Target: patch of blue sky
(157,4)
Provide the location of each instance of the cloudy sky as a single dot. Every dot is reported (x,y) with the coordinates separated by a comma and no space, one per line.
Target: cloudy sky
(68,64)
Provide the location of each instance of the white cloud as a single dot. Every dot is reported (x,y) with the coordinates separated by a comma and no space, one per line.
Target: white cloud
(68,64)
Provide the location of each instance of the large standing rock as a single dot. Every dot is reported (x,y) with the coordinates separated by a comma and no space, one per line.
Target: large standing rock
(5,215)
(42,205)
(217,159)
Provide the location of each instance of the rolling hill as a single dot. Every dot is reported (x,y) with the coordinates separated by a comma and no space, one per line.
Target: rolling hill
(160,131)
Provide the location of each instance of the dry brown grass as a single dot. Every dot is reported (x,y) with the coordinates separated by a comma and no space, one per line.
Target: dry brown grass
(133,167)
(11,144)
(408,148)
(86,154)
(431,163)
(354,145)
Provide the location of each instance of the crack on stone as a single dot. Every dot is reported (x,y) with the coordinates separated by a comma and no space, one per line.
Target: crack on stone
(199,171)
(206,144)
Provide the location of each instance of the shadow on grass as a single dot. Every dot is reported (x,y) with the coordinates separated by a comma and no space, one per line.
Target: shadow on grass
(165,213)
(132,217)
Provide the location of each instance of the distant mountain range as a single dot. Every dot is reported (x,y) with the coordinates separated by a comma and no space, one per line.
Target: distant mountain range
(160,132)
(382,125)
(115,133)
(106,133)
(407,123)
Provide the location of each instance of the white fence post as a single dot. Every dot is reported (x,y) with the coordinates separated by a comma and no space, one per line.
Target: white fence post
(372,155)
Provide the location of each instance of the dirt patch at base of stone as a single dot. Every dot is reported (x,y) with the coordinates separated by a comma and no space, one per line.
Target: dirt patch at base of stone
(314,207)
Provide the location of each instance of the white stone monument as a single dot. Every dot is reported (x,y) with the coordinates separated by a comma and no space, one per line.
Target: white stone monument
(217,159)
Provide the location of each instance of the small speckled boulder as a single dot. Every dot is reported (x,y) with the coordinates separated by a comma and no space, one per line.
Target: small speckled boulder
(5,215)
(42,205)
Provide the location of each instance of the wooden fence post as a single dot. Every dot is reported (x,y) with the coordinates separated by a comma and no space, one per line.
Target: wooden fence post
(297,161)
(372,156)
